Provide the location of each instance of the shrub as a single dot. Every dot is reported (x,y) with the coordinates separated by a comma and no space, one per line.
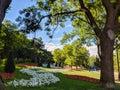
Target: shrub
(21,60)
(2,61)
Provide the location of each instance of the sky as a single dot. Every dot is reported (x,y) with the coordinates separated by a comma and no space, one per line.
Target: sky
(13,13)
(50,44)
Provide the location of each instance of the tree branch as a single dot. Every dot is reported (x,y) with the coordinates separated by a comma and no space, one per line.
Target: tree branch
(86,21)
(117,5)
(91,18)
(107,4)
(57,14)
(83,9)
(55,27)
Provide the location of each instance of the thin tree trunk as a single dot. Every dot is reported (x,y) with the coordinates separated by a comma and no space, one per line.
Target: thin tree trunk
(107,71)
(2,86)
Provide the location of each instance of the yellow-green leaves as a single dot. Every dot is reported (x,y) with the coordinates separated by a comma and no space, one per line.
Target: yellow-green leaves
(113,1)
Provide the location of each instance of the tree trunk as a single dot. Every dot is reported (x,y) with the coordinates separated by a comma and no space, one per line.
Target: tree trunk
(2,86)
(4,4)
(107,71)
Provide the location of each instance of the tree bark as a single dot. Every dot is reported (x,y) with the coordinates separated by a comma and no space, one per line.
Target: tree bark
(2,86)
(4,4)
(107,71)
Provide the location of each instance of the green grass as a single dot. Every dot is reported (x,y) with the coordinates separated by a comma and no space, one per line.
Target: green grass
(93,74)
(64,84)
(84,73)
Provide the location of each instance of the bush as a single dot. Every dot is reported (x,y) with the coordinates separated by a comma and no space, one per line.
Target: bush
(2,61)
(22,60)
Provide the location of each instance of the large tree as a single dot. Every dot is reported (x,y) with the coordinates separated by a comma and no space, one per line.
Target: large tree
(101,17)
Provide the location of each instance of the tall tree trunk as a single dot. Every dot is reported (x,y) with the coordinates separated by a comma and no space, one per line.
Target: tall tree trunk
(107,71)
(2,86)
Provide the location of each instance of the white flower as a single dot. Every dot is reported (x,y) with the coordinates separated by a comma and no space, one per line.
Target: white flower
(39,78)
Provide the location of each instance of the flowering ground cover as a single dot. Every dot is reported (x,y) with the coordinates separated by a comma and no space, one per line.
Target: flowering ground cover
(38,78)
(86,78)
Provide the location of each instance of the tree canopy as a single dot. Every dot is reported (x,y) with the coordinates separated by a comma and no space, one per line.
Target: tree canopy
(72,55)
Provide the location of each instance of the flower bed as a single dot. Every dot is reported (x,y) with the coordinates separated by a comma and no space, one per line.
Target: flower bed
(5,75)
(38,79)
(83,78)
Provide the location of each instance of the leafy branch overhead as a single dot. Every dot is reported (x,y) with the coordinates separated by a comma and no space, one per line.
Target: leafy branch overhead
(49,14)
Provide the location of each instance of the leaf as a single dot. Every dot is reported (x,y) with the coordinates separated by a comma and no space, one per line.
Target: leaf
(62,25)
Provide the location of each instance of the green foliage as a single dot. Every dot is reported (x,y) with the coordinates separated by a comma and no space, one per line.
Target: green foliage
(113,1)
(17,61)
(45,57)
(2,34)
(30,20)
(2,62)
(56,12)
(115,60)
(12,40)
(67,49)
(91,61)
(58,56)
(83,34)
(73,54)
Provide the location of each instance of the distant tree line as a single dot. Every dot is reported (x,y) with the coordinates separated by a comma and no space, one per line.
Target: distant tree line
(75,55)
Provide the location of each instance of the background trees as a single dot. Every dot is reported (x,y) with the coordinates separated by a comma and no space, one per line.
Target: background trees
(9,45)
(72,55)
(16,46)
(59,57)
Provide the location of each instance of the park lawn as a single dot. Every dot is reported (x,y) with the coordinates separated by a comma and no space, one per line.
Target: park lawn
(84,73)
(64,84)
